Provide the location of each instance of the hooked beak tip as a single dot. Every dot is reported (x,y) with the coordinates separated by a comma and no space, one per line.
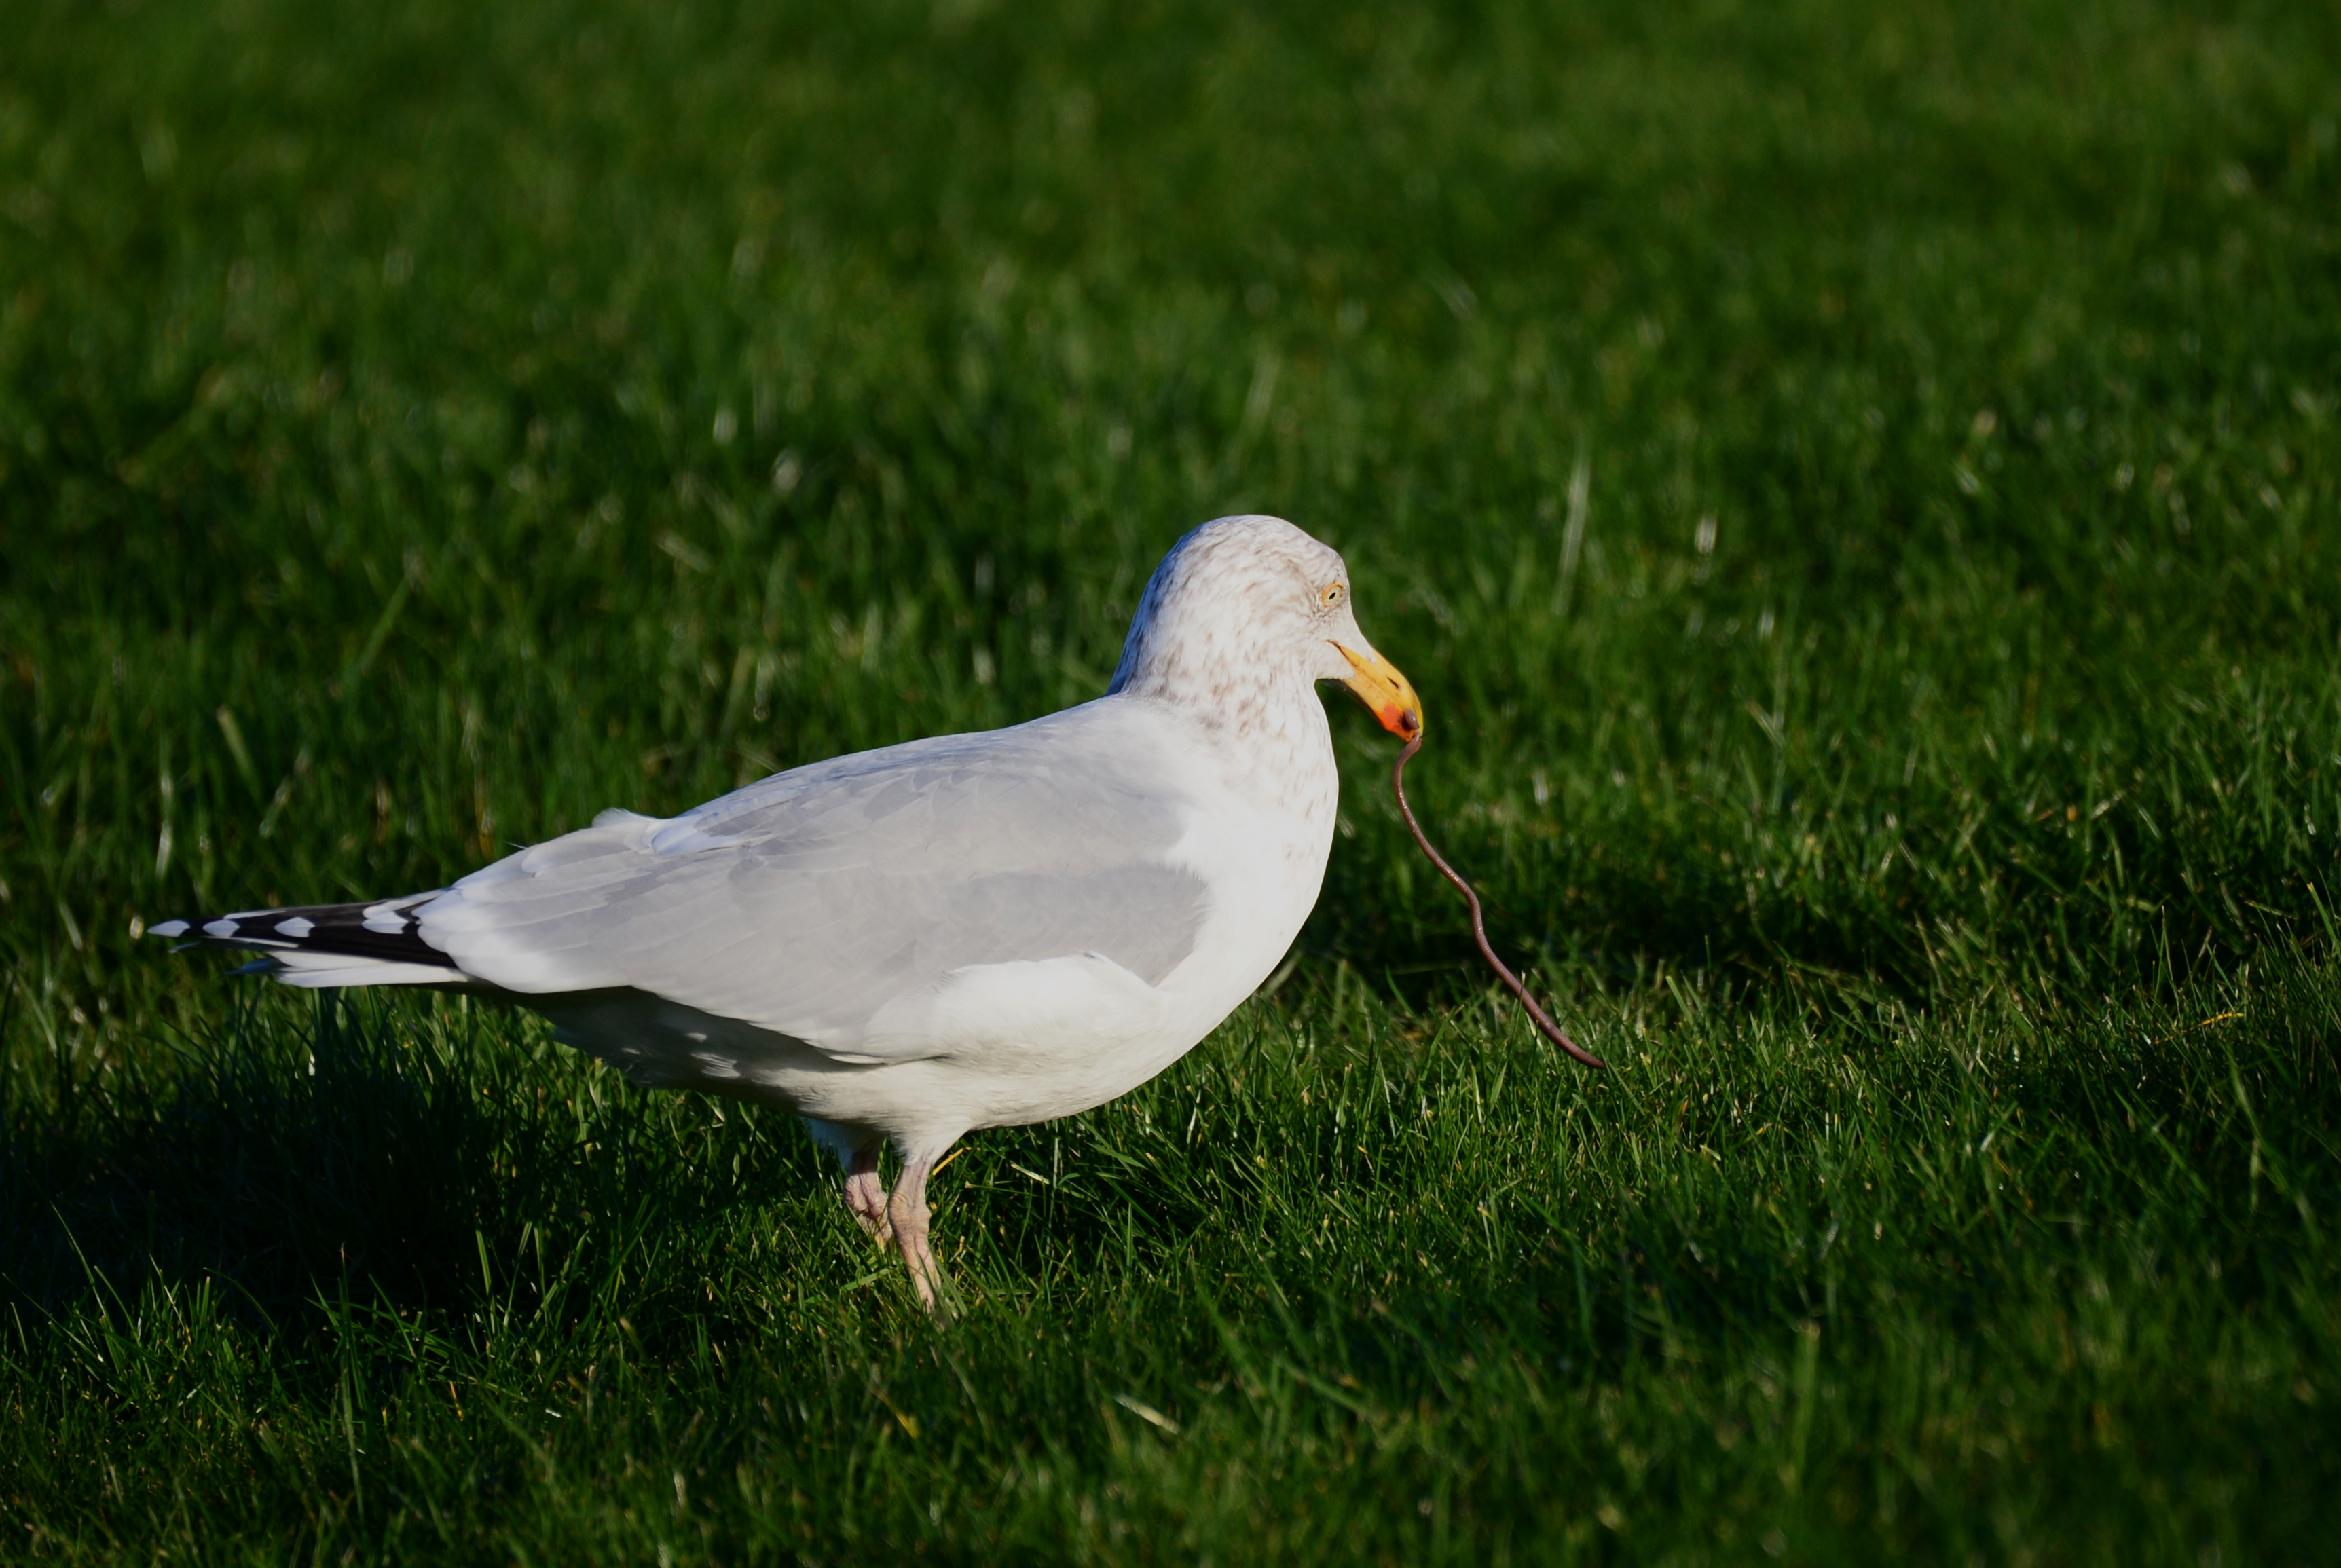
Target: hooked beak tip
(1382,689)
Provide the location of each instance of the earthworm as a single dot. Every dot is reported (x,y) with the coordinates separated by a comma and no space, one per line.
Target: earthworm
(1543,1020)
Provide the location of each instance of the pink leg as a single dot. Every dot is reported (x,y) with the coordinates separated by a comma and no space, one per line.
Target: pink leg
(865,1195)
(907,1211)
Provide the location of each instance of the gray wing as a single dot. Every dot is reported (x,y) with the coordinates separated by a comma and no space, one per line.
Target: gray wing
(806,902)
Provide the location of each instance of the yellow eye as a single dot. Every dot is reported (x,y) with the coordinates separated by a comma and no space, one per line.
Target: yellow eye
(1331,596)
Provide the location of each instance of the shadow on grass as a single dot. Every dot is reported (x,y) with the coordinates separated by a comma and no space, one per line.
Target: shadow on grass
(277,1160)
(386,1152)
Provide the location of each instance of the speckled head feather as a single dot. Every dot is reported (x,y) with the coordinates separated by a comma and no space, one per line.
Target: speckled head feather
(1234,623)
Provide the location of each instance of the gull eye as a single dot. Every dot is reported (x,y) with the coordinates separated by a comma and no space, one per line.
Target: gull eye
(1331,596)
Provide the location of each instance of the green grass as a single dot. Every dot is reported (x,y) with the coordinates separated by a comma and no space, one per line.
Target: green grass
(1856,489)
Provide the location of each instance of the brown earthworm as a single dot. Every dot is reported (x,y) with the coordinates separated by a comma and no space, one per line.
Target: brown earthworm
(1543,1020)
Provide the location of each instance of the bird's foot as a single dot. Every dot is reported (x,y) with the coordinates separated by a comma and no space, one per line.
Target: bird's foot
(926,1275)
(865,1198)
(907,1209)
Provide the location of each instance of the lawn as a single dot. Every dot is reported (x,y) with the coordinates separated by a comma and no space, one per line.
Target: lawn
(1857,488)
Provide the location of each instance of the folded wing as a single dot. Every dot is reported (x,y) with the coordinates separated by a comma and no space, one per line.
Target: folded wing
(806,903)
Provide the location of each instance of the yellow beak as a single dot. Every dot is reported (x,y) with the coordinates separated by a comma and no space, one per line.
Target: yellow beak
(1381,687)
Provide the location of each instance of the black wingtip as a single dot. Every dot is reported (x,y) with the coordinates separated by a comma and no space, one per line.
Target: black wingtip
(384,928)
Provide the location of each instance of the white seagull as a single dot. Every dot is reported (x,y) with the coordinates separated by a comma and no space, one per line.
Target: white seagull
(969,931)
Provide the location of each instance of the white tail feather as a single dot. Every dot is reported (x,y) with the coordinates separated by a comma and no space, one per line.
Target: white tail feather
(293,967)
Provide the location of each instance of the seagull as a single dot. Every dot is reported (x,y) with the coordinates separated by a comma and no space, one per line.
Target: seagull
(907,945)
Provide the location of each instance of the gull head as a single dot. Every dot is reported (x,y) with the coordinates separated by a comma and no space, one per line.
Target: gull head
(1246,611)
